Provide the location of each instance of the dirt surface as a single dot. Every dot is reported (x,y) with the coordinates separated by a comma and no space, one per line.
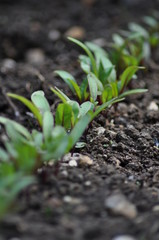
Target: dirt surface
(82,202)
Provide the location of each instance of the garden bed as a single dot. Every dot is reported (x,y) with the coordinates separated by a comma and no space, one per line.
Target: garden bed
(80,200)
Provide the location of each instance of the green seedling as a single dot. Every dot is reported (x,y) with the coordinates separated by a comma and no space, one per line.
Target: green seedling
(70,112)
(153,29)
(34,148)
(25,152)
(134,46)
(101,77)
(96,62)
(126,52)
(67,114)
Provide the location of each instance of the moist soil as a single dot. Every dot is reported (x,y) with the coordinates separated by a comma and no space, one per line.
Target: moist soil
(82,202)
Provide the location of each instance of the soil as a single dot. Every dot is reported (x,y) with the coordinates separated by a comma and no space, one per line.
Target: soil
(82,202)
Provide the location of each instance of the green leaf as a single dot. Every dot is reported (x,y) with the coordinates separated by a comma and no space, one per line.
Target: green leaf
(114,89)
(13,134)
(134,27)
(88,52)
(58,145)
(85,108)
(48,123)
(152,22)
(118,40)
(85,63)
(39,100)
(102,58)
(3,155)
(134,91)
(67,77)
(105,106)
(60,94)
(77,90)
(78,130)
(127,75)
(75,110)
(146,51)
(83,89)
(92,86)
(22,130)
(63,115)
(30,105)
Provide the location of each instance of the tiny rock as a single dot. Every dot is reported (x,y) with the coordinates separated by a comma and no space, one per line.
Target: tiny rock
(85,161)
(87,183)
(54,35)
(132,108)
(75,32)
(155,208)
(122,107)
(54,203)
(124,237)
(118,204)
(67,157)
(71,200)
(100,130)
(35,56)
(153,106)
(8,65)
(73,163)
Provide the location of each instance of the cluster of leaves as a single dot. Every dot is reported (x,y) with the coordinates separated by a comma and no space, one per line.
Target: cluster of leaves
(133,47)
(25,152)
(100,84)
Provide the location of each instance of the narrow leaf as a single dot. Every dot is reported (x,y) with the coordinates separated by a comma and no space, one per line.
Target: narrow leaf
(88,52)
(30,105)
(39,100)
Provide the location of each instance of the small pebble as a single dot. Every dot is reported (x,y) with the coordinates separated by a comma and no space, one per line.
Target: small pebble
(85,161)
(118,204)
(132,108)
(155,208)
(71,200)
(35,56)
(73,163)
(75,32)
(124,237)
(87,183)
(152,106)
(8,65)
(100,130)
(54,35)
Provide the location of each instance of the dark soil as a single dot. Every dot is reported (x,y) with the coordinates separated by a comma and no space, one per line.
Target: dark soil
(75,203)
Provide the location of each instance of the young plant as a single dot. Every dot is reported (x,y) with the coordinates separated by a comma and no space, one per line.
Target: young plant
(126,52)
(101,77)
(97,62)
(69,112)
(153,29)
(25,152)
(135,49)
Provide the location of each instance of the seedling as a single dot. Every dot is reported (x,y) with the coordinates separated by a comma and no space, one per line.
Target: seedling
(25,152)
(70,112)
(101,78)
(134,46)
